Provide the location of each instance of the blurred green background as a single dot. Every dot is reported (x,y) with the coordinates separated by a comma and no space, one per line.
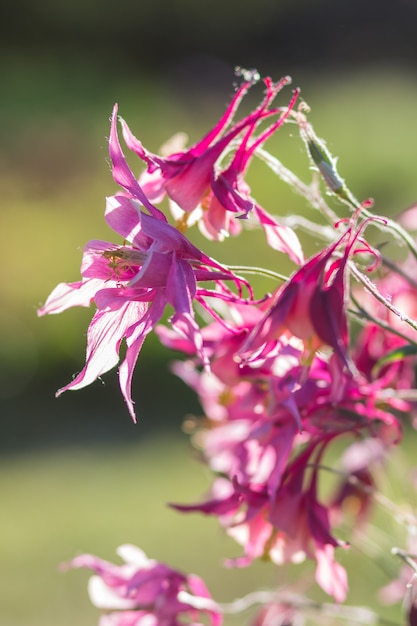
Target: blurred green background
(76,475)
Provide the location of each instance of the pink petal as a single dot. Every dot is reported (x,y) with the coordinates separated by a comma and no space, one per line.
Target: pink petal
(134,340)
(330,575)
(67,295)
(104,336)
(104,597)
(122,173)
(279,237)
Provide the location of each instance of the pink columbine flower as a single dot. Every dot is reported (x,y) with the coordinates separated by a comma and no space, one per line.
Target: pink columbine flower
(194,180)
(185,176)
(144,592)
(312,304)
(131,286)
(267,422)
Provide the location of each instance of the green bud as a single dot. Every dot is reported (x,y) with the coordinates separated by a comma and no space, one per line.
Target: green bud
(326,167)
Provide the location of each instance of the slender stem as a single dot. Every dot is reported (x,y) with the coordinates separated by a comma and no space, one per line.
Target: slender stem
(355,614)
(404,556)
(327,233)
(326,164)
(260,271)
(311,193)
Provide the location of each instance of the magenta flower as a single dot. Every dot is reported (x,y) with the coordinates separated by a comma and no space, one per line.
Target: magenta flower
(193,179)
(268,421)
(312,305)
(131,286)
(144,592)
(230,194)
(185,176)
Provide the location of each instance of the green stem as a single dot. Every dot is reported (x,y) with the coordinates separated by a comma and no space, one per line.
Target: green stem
(326,165)
(355,614)
(309,192)
(404,556)
(259,271)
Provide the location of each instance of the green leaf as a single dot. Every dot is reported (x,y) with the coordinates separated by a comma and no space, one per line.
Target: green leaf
(395,355)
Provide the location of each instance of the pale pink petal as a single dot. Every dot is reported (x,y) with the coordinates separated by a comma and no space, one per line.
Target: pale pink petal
(134,556)
(253,535)
(124,218)
(122,173)
(134,341)
(67,295)
(330,575)
(201,600)
(104,336)
(130,618)
(104,597)
(279,237)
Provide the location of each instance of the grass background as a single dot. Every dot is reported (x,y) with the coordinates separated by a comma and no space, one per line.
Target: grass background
(75,474)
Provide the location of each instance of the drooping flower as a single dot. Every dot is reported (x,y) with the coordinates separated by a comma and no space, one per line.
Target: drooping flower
(144,592)
(355,493)
(230,194)
(312,305)
(185,176)
(267,422)
(194,180)
(131,286)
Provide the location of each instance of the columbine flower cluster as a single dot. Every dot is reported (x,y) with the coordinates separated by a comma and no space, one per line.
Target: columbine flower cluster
(280,379)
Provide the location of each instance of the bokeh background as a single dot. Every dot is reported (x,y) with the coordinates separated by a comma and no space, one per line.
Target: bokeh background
(76,475)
